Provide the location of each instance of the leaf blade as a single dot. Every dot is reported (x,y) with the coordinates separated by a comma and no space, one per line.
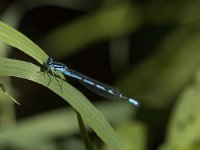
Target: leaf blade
(90,114)
(16,39)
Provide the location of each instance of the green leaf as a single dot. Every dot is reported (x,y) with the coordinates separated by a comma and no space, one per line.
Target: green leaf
(84,133)
(183,132)
(21,69)
(14,38)
(133,135)
(63,122)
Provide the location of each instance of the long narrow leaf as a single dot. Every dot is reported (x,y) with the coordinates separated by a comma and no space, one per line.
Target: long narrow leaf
(14,38)
(21,69)
(29,71)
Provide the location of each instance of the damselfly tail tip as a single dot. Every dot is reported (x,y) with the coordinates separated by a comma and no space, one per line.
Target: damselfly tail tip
(134,102)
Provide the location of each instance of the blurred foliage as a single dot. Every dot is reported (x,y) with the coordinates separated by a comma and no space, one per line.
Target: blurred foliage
(133,135)
(164,76)
(184,123)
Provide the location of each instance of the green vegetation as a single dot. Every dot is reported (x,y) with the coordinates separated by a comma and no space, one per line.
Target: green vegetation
(161,40)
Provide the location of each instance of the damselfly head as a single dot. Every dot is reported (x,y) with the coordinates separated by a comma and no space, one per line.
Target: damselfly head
(49,61)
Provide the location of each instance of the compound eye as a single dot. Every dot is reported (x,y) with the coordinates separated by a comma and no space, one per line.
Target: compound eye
(49,61)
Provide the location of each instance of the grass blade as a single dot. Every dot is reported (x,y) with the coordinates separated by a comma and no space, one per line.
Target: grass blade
(16,39)
(21,69)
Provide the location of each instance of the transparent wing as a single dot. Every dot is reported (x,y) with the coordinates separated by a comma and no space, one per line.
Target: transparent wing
(100,88)
(97,87)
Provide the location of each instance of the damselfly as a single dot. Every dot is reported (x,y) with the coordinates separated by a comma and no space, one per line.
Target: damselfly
(92,84)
